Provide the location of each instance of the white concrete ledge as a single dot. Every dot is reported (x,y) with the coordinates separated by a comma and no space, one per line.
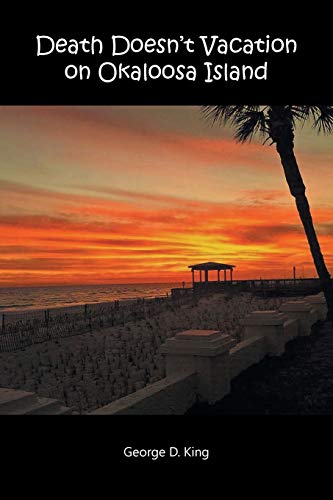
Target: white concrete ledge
(304,312)
(205,352)
(172,395)
(245,354)
(319,302)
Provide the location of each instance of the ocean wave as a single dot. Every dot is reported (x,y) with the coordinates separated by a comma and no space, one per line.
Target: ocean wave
(14,306)
(40,298)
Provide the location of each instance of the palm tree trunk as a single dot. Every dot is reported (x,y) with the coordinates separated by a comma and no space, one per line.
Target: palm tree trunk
(297,189)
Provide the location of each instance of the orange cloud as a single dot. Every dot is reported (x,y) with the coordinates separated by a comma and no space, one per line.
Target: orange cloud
(111,201)
(91,240)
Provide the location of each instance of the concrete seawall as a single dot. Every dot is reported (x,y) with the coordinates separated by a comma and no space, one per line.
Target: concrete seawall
(200,364)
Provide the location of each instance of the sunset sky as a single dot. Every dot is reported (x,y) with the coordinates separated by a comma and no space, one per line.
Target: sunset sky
(136,194)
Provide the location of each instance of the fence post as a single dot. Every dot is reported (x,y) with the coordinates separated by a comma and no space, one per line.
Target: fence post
(85,311)
(46,316)
(3,323)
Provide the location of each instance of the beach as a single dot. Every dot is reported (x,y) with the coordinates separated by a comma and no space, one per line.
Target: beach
(88,369)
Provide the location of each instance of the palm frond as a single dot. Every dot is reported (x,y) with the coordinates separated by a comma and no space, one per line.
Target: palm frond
(248,120)
(250,123)
(251,120)
(222,113)
(322,116)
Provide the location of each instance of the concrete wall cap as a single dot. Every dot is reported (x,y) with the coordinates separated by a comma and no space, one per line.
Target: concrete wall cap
(193,344)
(267,318)
(296,306)
(199,335)
(315,299)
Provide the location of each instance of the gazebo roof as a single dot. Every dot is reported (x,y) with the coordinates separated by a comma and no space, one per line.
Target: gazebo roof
(210,266)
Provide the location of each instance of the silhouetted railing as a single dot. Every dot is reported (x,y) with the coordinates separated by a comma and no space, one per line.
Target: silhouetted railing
(264,286)
(301,285)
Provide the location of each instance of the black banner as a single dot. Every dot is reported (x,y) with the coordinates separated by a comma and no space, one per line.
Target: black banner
(160,63)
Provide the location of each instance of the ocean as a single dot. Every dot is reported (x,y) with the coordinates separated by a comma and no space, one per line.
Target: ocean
(41,297)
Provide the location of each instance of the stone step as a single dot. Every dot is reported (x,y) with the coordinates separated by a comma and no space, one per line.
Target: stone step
(64,410)
(43,406)
(11,400)
(16,402)
(51,407)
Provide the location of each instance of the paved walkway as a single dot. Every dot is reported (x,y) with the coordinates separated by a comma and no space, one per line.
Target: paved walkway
(299,382)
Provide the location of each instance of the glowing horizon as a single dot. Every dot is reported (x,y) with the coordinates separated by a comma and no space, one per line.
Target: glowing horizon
(103,195)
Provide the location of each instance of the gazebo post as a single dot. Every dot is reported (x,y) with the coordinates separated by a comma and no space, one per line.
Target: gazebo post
(225,274)
(206,275)
(192,276)
(231,274)
(218,275)
(200,275)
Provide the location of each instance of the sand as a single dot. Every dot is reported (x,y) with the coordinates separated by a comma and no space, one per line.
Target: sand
(89,370)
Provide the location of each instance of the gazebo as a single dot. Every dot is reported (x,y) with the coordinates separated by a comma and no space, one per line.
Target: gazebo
(211,266)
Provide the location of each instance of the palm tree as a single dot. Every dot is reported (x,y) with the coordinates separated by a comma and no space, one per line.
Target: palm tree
(277,124)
